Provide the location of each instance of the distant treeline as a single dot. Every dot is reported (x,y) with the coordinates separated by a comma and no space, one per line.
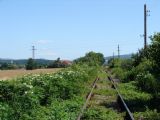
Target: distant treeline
(24,61)
(126,56)
(32,64)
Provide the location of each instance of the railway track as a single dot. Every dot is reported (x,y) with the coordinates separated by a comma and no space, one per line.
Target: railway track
(87,100)
(105,99)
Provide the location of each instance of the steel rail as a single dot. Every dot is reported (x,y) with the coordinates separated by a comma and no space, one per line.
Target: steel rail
(87,100)
(121,101)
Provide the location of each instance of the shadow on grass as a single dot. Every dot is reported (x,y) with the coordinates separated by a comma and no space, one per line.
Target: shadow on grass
(139,105)
(135,105)
(113,105)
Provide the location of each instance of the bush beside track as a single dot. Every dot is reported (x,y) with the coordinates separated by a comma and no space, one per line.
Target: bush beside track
(57,96)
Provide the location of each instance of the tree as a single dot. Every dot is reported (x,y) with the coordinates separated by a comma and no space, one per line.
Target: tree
(31,64)
(8,66)
(152,52)
(154,49)
(56,64)
(91,59)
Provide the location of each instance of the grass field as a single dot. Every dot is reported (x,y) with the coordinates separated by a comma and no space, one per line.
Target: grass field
(9,74)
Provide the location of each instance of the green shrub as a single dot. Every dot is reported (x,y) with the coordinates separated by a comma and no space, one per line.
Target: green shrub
(49,96)
(145,65)
(121,68)
(91,59)
(119,73)
(96,113)
(24,96)
(6,111)
(146,82)
(136,100)
(126,64)
(130,91)
(115,63)
(31,64)
(147,115)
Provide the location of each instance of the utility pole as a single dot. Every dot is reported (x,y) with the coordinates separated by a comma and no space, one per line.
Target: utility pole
(113,55)
(113,60)
(118,51)
(33,52)
(145,25)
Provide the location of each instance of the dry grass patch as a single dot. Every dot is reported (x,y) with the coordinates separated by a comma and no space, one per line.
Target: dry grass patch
(9,74)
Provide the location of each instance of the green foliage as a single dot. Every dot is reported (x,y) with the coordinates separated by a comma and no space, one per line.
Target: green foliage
(140,103)
(118,73)
(144,66)
(92,59)
(154,48)
(143,74)
(120,68)
(135,99)
(139,56)
(147,115)
(31,64)
(144,70)
(147,64)
(6,111)
(68,110)
(114,63)
(60,93)
(57,64)
(56,96)
(107,92)
(126,64)
(8,66)
(111,63)
(147,82)
(130,92)
(101,114)
(152,52)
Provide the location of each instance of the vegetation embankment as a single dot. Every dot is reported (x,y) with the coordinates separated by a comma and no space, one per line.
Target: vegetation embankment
(50,96)
(140,77)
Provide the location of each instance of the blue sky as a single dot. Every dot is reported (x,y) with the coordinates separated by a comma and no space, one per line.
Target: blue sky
(70,28)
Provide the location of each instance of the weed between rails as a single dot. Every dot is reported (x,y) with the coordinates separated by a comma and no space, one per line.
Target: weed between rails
(103,105)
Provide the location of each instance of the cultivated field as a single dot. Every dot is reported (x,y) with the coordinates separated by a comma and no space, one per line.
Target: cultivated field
(8,74)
